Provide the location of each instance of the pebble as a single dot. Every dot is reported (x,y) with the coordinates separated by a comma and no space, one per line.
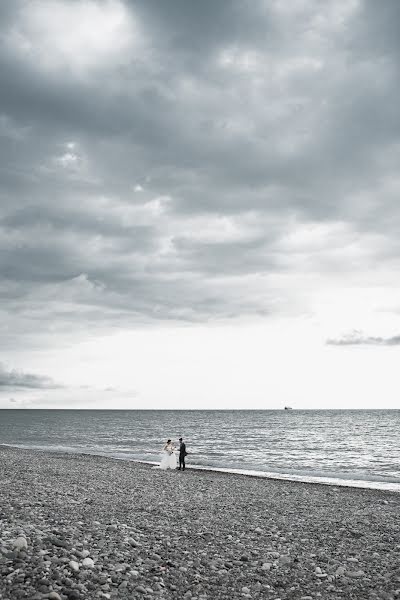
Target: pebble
(20,543)
(74,565)
(124,530)
(141,589)
(88,563)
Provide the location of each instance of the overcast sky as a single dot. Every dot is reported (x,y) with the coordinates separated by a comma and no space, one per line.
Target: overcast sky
(199,203)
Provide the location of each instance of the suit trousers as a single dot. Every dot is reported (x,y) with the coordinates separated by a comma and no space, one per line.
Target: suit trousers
(182,462)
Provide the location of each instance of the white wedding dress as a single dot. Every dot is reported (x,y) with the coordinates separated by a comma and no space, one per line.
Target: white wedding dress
(168,459)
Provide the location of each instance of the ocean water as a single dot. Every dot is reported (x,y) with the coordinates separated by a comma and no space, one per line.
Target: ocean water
(351,448)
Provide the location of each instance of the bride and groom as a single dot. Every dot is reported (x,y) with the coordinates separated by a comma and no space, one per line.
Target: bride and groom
(168,459)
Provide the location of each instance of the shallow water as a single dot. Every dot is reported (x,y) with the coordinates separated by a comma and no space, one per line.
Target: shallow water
(357,448)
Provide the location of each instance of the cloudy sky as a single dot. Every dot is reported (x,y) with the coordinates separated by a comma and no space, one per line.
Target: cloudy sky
(199,203)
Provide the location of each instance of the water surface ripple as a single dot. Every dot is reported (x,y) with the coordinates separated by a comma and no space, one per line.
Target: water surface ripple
(359,448)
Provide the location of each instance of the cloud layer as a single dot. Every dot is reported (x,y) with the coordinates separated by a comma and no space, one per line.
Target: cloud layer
(358,339)
(11,379)
(193,161)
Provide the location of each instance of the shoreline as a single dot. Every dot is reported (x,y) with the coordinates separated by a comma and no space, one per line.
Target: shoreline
(79,526)
(331,481)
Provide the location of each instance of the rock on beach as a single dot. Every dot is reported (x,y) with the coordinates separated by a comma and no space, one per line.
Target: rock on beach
(20,543)
(76,527)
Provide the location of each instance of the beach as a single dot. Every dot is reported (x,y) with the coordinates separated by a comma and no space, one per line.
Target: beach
(77,526)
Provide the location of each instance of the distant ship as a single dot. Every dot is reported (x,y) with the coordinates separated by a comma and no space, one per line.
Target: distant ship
(288,408)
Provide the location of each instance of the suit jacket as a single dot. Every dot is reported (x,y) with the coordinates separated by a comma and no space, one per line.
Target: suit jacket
(182,449)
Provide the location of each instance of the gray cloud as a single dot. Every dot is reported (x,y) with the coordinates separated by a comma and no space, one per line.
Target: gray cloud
(13,379)
(358,339)
(236,123)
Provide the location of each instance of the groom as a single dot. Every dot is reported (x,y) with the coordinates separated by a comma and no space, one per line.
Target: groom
(182,454)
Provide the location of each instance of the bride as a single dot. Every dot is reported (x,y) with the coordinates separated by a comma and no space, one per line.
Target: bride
(168,459)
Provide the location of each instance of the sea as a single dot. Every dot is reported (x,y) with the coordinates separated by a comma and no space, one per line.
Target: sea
(356,448)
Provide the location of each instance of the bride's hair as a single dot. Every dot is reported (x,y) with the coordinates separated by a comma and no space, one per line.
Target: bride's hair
(168,441)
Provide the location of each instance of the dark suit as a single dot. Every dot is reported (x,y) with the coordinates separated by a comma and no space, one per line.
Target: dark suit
(182,454)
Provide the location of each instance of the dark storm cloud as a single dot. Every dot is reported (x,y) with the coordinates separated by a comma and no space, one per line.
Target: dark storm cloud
(118,169)
(13,379)
(194,34)
(239,257)
(71,219)
(357,339)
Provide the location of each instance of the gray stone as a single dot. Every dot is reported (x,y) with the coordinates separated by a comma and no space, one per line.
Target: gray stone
(20,543)
(74,565)
(141,589)
(355,574)
(88,563)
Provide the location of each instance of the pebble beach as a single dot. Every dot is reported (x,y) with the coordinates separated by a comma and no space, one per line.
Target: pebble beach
(81,527)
